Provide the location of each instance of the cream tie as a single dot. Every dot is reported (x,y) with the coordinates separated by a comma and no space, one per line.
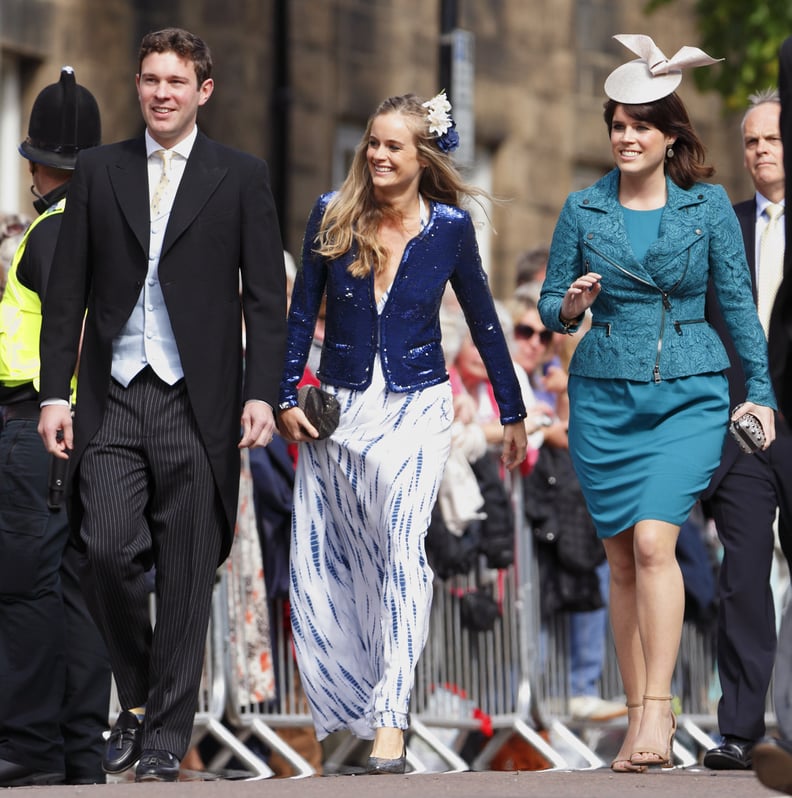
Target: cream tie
(771,262)
(162,186)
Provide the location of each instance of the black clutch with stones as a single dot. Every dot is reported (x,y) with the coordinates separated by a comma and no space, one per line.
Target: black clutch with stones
(321,409)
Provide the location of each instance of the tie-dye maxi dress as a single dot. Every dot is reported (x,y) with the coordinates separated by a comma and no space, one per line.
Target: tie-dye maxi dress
(361,588)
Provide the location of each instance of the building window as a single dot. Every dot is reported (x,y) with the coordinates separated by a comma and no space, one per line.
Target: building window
(10,126)
(595,23)
(481,208)
(347,139)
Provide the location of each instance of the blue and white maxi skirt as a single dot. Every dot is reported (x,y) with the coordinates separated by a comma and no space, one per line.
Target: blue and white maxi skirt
(361,587)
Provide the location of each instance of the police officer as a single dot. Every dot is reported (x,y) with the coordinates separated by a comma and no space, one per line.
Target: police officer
(54,670)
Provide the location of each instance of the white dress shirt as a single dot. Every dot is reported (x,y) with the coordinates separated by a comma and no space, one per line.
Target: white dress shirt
(147,337)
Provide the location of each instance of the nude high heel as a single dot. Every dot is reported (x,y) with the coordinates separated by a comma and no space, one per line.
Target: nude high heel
(625,765)
(651,757)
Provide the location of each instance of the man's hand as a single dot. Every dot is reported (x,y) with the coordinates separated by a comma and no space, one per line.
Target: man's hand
(55,419)
(258,425)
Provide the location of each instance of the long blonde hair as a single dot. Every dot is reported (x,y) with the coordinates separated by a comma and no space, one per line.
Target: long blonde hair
(353,216)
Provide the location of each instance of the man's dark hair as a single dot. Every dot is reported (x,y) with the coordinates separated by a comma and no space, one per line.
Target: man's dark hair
(185,44)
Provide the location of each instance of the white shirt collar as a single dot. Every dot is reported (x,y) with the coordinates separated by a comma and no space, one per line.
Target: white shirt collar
(762,202)
(183,148)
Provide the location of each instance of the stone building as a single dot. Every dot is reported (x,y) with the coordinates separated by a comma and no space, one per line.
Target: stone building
(297,79)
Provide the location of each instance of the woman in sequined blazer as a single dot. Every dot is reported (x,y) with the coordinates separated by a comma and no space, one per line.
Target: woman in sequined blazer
(382,250)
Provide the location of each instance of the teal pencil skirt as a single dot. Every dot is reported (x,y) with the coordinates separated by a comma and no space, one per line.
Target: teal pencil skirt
(645,450)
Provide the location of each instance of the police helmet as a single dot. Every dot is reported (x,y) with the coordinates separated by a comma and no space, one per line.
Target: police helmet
(64,120)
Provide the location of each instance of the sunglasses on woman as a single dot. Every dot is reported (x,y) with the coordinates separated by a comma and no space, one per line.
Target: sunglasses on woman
(525,332)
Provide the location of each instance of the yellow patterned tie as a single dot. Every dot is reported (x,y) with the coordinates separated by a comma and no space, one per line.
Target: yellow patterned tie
(162,186)
(771,262)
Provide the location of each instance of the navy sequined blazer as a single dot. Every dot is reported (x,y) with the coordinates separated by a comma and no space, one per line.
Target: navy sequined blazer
(407,332)
(648,321)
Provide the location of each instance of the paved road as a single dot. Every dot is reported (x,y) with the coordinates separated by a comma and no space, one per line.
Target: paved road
(692,782)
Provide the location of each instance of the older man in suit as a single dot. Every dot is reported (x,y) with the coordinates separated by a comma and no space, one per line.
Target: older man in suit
(747,491)
(153,241)
(773,755)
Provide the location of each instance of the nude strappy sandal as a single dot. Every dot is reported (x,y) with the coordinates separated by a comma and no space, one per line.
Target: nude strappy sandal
(651,757)
(626,765)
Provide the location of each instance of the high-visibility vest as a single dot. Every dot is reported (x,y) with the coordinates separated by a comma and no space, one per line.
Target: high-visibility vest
(20,320)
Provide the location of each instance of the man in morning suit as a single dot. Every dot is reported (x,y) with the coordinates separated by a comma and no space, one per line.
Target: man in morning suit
(773,755)
(155,236)
(747,490)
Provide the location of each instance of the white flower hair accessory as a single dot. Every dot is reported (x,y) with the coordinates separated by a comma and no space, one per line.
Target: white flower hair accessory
(651,76)
(441,122)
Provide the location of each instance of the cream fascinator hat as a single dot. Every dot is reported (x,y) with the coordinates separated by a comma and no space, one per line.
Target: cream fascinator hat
(651,76)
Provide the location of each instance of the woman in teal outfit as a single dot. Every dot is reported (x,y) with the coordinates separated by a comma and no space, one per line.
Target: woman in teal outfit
(648,398)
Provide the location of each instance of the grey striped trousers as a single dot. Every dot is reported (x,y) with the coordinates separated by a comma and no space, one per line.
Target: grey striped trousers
(150,499)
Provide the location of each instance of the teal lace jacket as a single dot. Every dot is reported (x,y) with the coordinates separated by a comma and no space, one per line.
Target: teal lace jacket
(648,322)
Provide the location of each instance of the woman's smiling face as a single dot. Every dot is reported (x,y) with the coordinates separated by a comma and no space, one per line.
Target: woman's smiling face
(638,147)
(392,155)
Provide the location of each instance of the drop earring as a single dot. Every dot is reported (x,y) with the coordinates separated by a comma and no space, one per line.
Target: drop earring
(670,152)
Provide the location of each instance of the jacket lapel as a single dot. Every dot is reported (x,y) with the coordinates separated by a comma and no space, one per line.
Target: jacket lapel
(662,256)
(129,180)
(202,175)
(746,216)
(676,216)
(608,218)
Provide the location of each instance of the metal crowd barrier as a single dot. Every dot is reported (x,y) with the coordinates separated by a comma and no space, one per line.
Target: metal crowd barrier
(288,709)
(514,679)
(486,681)
(509,681)
(262,684)
(694,686)
(212,695)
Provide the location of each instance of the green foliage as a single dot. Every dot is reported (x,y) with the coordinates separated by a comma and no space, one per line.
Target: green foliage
(748,34)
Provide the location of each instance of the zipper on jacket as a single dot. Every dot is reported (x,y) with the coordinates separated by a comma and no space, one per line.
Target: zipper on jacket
(665,299)
(605,324)
(678,324)
(666,306)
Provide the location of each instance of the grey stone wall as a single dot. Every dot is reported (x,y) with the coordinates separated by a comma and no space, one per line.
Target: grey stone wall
(540,65)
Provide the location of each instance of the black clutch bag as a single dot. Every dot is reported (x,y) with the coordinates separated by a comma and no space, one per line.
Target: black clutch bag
(321,409)
(747,431)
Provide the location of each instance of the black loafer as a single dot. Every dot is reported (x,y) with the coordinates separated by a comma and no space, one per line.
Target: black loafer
(772,761)
(13,775)
(124,744)
(157,766)
(733,754)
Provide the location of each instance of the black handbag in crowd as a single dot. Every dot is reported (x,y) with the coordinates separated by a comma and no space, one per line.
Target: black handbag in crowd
(567,548)
(478,611)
